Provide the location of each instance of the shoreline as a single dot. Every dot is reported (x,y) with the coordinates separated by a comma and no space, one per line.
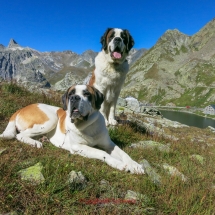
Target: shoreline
(184,111)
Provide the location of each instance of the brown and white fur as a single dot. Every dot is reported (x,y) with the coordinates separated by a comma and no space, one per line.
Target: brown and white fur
(111,68)
(78,127)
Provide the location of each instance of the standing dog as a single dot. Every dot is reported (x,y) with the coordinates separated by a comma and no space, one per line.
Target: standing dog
(111,68)
(78,127)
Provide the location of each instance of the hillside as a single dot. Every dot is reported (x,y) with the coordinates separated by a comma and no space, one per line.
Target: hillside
(178,69)
(179,175)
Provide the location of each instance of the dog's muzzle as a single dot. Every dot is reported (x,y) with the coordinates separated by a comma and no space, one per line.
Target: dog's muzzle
(74,107)
(116,53)
(77,110)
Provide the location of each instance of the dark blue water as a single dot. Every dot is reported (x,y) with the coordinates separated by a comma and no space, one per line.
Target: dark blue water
(188,119)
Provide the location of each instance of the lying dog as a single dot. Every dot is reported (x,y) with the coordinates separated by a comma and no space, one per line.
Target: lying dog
(77,127)
(111,68)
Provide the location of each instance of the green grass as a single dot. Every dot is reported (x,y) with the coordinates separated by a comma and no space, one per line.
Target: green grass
(55,196)
(184,49)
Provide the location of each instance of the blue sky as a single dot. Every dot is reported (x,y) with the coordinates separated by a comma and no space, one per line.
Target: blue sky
(77,25)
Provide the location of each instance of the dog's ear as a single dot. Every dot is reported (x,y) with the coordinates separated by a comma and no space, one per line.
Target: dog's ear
(130,43)
(103,40)
(64,99)
(99,98)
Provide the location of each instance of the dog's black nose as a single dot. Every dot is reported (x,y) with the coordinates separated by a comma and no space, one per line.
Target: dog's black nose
(75,98)
(117,39)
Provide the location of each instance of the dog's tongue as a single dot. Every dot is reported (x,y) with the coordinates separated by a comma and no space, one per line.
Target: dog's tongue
(117,55)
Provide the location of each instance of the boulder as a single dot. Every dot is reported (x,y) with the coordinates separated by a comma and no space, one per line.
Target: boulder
(133,104)
(121,102)
(150,111)
(33,174)
(77,181)
(131,195)
(154,177)
(173,171)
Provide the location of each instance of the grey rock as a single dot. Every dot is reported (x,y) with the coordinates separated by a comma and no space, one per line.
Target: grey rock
(33,174)
(133,104)
(104,185)
(150,111)
(151,145)
(212,129)
(154,177)
(131,195)
(150,127)
(77,181)
(173,171)
(121,102)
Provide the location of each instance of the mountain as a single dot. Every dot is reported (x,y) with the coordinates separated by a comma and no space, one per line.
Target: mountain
(134,55)
(178,69)
(58,70)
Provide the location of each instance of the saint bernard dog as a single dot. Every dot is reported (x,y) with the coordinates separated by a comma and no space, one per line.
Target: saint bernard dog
(78,127)
(111,68)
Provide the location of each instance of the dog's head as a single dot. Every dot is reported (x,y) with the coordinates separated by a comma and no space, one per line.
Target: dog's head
(81,100)
(116,43)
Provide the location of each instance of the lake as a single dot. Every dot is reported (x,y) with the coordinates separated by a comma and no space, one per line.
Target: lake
(188,119)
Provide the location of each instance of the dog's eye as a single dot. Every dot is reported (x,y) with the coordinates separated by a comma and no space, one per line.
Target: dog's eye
(86,93)
(72,92)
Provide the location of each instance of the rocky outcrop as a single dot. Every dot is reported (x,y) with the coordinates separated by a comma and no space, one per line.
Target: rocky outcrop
(22,65)
(131,104)
(13,44)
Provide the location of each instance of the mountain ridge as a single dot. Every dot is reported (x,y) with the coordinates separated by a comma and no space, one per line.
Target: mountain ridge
(47,69)
(178,69)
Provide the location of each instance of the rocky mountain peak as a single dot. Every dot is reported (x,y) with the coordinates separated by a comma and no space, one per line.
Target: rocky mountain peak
(13,44)
(1,47)
(175,37)
(89,56)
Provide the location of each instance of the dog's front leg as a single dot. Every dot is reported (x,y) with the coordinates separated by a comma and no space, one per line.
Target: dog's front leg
(119,154)
(111,117)
(89,152)
(104,110)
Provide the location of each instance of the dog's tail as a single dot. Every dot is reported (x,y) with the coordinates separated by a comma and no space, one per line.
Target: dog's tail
(10,131)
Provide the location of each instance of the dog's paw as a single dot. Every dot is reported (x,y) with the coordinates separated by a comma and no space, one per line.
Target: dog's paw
(135,168)
(38,144)
(106,123)
(113,122)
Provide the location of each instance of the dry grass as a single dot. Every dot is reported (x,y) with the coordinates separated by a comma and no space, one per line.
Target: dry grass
(54,196)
